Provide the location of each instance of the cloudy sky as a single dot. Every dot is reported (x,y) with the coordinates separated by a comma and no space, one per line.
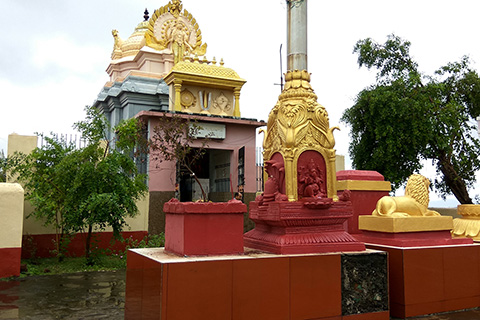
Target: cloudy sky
(53,54)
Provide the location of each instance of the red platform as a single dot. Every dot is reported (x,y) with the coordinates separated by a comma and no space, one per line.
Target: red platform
(305,226)
(425,280)
(195,228)
(252,286)
(411,239)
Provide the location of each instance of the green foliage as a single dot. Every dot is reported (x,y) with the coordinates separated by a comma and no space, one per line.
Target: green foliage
(46,266)
(3,167)
(407,117)
(172,140)
(150,241)
(84,189)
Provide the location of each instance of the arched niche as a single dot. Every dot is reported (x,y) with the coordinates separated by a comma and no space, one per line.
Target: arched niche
(312,179)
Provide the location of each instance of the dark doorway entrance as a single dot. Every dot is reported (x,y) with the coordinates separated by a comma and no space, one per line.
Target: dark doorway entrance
(189,189)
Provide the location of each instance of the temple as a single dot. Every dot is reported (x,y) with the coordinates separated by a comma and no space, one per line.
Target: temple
(161,70)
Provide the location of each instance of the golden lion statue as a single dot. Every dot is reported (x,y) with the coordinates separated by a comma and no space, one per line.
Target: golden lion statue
(414,203)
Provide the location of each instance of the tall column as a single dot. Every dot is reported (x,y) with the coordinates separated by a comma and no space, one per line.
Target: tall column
(236,95)
(178,88)
(296,35)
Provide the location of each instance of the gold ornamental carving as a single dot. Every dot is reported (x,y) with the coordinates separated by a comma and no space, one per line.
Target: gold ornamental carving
(206,70)
(131,46)
(296,124)
(187,99)
(222,103)
(169,28)
(469,223)
(413,203)
(225,82)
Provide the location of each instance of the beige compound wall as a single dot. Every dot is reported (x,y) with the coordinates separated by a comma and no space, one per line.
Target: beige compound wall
(11,215)
(33,226)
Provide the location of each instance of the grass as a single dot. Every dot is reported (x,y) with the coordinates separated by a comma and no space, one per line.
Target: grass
(43,266)
(104,260)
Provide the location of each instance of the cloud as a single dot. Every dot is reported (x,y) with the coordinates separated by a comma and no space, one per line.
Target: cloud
(60,54)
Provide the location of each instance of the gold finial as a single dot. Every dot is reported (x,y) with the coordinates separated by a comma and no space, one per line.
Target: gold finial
(221,62)
(214,61)
(175,7)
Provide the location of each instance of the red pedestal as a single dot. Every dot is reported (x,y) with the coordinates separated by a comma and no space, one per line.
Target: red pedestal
(301,227)
(411,239)
(366,188)
(426,280)
(193,228)
(253,286)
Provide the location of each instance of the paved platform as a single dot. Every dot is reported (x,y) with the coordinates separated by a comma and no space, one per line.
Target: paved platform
(95,295)
(88,295)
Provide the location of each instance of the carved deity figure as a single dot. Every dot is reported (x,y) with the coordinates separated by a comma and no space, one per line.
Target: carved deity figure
(276,177)
(178,36)
(176,7)
(310,182)
(414,203)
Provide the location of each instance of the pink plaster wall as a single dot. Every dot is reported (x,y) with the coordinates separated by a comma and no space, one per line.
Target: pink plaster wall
(162,175)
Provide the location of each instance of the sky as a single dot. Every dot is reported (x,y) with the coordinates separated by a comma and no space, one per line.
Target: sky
(53,54)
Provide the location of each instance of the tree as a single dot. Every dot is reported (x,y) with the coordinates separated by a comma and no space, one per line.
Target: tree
(407,117)
(83,189)
(172,140)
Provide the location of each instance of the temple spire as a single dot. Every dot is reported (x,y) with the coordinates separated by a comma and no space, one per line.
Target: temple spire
(296,35)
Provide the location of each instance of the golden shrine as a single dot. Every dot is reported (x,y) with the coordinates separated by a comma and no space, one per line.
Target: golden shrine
(299,134)
(168,46)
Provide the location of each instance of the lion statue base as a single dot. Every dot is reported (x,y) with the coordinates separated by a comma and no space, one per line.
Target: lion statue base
(414,203)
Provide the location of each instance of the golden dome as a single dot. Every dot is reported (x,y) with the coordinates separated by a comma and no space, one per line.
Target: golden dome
(131,46)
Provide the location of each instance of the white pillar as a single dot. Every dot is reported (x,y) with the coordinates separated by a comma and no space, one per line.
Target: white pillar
(296,35)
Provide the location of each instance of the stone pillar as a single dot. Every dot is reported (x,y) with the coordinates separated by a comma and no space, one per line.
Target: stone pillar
(366,187)
(178,88)
(236,94)
(11,220)
(296,35)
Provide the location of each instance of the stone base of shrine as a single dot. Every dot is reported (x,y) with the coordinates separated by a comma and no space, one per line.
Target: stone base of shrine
(408,231)
(411,239)
(301,227)
(432,279)
(306,242)
(257,285)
